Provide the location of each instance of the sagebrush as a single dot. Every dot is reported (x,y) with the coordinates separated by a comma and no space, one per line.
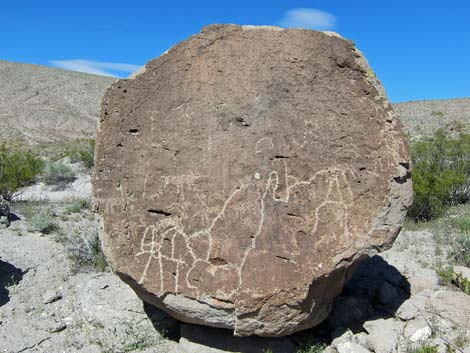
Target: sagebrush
(43,221)
(58,173)
(77,205)
(84,248)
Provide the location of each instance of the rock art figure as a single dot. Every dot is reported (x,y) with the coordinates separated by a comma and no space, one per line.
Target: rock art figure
(243,174)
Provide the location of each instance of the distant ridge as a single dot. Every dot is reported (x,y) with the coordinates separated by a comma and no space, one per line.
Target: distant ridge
(423,117)
(40,104)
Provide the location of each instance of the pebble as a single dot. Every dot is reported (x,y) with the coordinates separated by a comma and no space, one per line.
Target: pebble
(58,327)
(51,297)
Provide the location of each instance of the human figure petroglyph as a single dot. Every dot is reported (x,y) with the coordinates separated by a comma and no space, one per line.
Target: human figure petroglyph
(276,185)
(256,181)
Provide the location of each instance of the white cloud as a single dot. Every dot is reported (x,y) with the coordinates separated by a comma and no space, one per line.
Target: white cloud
(308,18)
(95,67)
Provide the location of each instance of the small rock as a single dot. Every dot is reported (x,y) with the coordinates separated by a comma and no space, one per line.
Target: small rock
(418,284)
(417,330)
(347,336)
(361,338)
(387,293)
(407,311)
(4,213)
(51,296)
(329,349)
(451,306)
(383,335)
(351,347)
(58,327)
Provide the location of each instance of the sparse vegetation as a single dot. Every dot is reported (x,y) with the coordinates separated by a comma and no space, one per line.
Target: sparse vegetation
(437,113)
(448,277)
(18,168)
(58,173)
(425,349)
(441,174)
(84,248)
(311,346)
(459,240)
(136,338)
(43,221)
(445,275)
(77,205)
(79,151)
(461,282)
(12,285)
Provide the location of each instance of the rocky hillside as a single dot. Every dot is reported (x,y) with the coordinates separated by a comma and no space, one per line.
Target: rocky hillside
(426,116)
(40,104)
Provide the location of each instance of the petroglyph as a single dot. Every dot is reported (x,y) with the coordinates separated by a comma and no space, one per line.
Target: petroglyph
(243,174)
(168,228)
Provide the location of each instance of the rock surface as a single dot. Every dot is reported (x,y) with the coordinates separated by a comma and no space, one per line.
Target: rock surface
(241,176)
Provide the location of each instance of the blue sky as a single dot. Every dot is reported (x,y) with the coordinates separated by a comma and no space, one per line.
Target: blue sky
(419,49)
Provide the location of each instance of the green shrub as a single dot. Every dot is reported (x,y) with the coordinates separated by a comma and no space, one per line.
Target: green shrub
(311,347)
(79,151)
(461,282)
(43,221)
(58,173)
(445,275)
(448,277)
(441,174)
(426,349)
(18,168)
(86,154)
(77,205)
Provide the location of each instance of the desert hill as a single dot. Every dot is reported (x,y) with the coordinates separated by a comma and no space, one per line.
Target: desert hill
(40,104)
(426,116)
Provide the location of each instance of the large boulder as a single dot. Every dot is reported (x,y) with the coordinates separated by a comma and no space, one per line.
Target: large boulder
(244,173)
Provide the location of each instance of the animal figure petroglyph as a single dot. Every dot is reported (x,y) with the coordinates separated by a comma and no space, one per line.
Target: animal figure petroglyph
(277,185)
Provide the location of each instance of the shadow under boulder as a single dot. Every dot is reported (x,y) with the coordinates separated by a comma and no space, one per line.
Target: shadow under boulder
(9,276)
(201,339)
(376,290)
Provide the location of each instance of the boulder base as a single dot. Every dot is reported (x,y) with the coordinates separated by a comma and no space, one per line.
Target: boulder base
(244,173)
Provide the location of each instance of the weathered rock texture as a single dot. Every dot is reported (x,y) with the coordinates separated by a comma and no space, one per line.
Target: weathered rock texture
(242,174)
